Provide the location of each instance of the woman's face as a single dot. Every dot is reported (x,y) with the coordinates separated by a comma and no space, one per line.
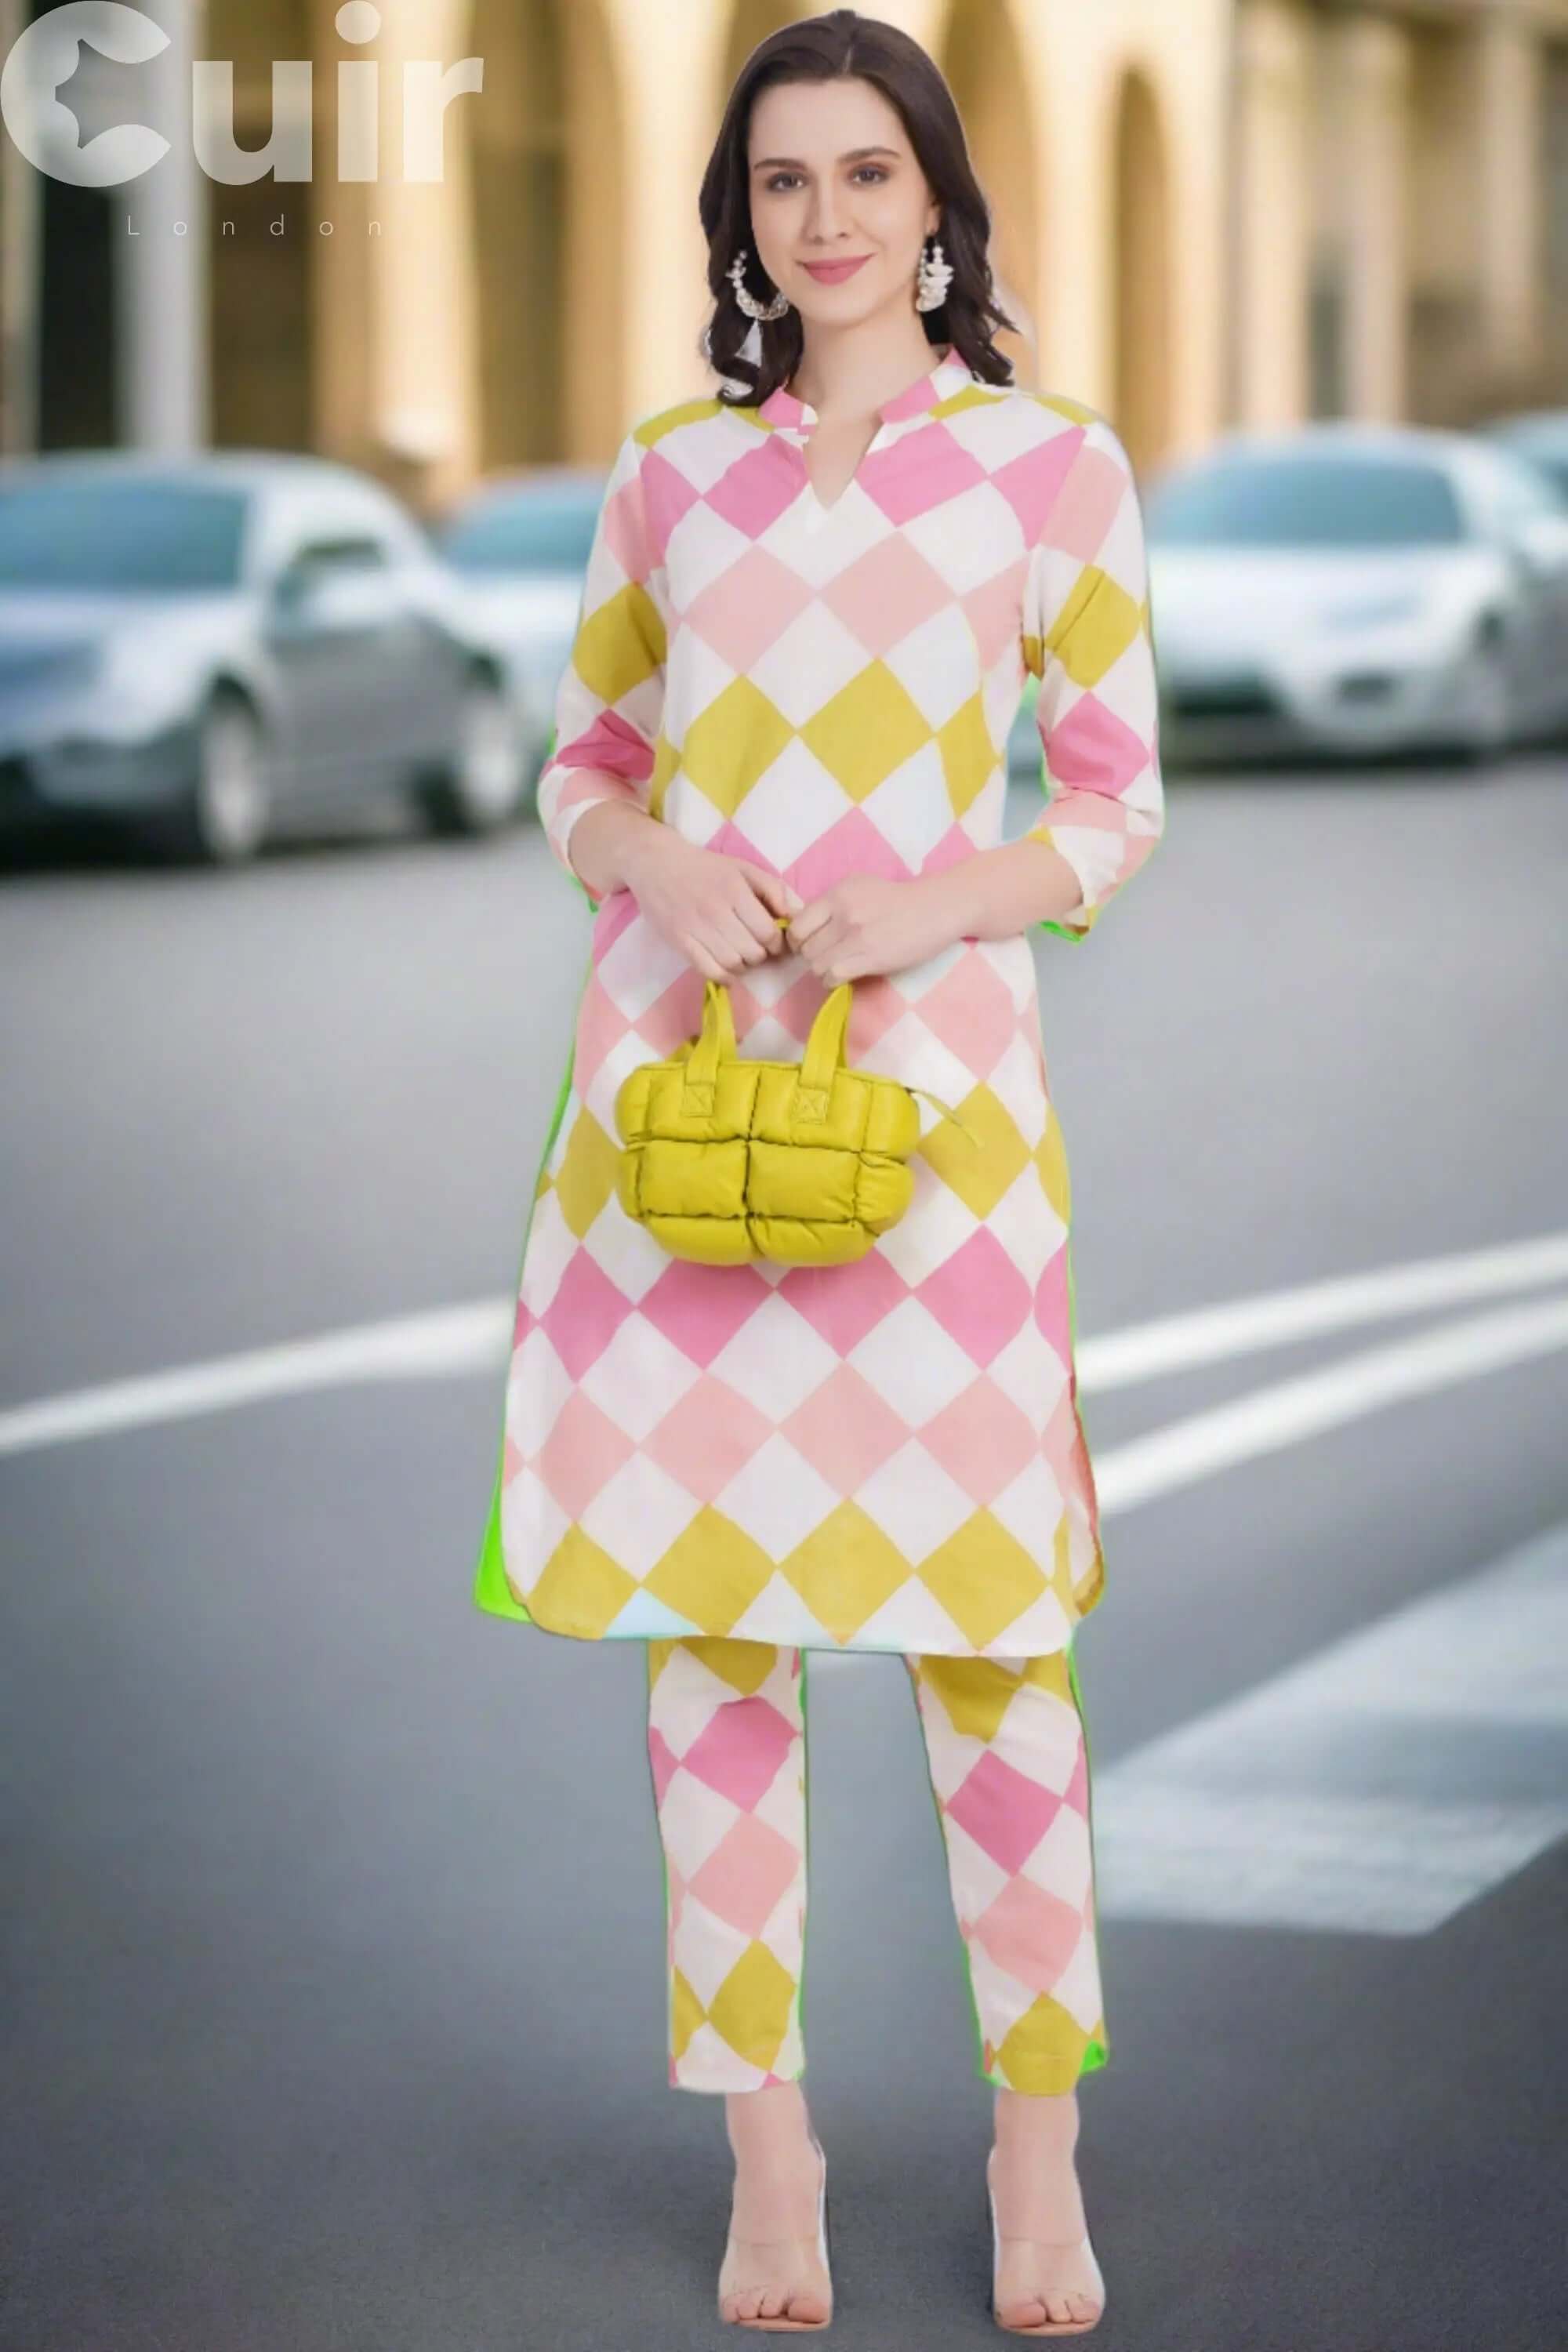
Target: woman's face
(833,179)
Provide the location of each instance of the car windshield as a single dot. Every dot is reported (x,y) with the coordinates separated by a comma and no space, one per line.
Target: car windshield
(1305,502)
(136,536)
(532,530)
(1548,456)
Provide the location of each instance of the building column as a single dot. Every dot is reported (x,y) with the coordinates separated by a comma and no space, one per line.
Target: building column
(416,298)
(663,284)
(1272,215)
(21,234)
(161,247)
(1509,230)
(1366,118)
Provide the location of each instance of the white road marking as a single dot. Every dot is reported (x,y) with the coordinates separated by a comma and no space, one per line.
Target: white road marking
(410,1346)
(1214,1335)
(456,1340)
(1376,1788)
(1289,1411)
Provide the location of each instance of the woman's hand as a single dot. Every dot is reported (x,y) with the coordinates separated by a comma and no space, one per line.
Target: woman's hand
(720,912)
(868,923)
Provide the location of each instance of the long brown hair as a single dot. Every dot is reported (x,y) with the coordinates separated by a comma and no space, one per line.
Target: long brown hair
(825,49)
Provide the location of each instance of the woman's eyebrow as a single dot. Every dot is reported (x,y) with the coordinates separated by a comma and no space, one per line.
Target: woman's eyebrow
(850,156)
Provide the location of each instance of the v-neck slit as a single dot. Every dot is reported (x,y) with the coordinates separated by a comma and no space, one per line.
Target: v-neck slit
(826,507)
(786,413)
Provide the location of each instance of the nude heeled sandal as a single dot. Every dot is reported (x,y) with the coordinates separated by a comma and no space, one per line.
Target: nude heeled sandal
(782,2321)
(1044,2326)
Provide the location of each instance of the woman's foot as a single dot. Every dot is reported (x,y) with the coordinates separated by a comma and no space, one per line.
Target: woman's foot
(773,2269)
(1043,2272)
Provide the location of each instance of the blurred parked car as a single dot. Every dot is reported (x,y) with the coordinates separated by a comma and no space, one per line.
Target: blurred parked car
(519,543)
(204,645)
(1357,589)
(1540,435)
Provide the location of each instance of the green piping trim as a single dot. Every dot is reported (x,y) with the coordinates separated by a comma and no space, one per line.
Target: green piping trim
(1097,2051)
(806,1851)
(664,1868)
(964,1970)
(492,1594)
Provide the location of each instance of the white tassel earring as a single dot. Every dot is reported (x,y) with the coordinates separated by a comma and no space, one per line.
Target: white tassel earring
(934,279)
(749,302)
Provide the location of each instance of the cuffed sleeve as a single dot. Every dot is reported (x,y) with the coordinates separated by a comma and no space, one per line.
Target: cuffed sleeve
(1088,638)
(610,701)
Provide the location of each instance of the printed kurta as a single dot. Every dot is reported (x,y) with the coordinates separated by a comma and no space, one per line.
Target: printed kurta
(888,1454)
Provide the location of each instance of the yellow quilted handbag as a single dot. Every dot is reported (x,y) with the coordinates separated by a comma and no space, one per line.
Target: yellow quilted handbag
(805,1162)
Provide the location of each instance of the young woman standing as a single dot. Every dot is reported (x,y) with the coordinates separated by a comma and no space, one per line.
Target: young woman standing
(811,605)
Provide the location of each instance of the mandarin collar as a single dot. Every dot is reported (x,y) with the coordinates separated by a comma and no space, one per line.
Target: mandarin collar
(949,373)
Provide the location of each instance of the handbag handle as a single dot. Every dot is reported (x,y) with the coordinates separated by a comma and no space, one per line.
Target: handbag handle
(716,1043)
(822,1058)
(824,1054)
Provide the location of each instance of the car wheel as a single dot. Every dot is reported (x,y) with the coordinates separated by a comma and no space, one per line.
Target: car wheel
(485,785)
(222,819)
(1491,729)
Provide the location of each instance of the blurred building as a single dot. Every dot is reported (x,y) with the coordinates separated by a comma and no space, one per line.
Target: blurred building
(1206,211)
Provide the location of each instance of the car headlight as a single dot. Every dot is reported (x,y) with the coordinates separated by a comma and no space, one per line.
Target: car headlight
(138,680)
(1372,611)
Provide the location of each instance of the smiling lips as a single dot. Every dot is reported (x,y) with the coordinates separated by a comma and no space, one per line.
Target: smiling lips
(831,273)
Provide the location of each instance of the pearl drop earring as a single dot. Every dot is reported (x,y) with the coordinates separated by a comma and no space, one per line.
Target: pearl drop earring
(934,279)
(748,301)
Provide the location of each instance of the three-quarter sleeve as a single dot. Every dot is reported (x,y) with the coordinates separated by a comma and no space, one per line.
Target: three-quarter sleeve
(1087,637)
(610,700)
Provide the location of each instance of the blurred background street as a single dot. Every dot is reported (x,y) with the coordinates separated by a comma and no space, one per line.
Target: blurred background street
(334,2010)
(325,2035)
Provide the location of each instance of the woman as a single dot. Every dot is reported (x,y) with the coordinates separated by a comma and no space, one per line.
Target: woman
(780,761)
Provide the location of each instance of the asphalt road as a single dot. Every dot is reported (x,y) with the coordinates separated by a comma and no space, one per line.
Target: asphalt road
(334,2007)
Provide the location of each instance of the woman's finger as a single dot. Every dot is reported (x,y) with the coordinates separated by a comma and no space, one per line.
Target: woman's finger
(758,917)
(735,937)
(809,921)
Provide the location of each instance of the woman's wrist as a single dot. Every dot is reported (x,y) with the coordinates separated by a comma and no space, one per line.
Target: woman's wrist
(608,842)
(1002,891)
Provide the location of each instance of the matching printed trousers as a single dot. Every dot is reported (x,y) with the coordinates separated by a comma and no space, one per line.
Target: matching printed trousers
(1007,1759)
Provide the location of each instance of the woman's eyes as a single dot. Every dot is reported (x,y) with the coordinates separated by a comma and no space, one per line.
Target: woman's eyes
(878,171)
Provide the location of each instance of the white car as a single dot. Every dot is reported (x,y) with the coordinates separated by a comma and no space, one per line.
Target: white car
(1538,434)
(1357,590)
(519,544)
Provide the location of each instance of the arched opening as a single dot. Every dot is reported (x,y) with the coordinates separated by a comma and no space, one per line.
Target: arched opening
(751,21)
(552,234)
(1142,295)
(1445,344)
(262,242)
(981,55)
(73,329)
(1555,144)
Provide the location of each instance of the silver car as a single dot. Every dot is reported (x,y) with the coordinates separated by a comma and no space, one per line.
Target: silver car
(1357,590)
(1538,434)
(519,543)
(205,648)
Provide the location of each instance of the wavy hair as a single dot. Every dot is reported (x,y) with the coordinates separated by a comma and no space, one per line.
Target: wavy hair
(829,49)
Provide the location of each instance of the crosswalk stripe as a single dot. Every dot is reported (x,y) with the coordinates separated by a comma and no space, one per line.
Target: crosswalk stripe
(451,1341)
(1376,1788)
(1277,1318)
(1305,1404)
